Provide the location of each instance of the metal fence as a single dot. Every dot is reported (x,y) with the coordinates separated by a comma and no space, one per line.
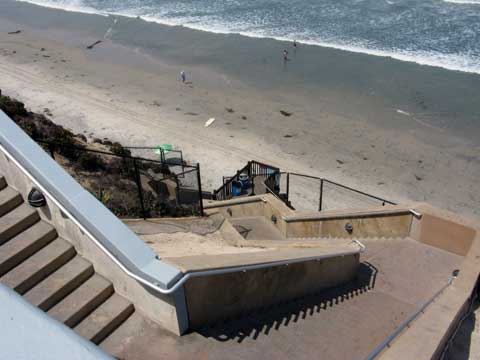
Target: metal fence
(256,174)
(311,193)
(174,158)
(133,186)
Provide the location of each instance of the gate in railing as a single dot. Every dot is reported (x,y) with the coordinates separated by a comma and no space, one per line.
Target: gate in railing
(244,181)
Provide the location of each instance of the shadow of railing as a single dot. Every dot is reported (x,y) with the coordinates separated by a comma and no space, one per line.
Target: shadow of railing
(263,320)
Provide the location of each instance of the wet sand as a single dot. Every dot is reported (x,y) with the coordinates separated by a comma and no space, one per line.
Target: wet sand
(398,130)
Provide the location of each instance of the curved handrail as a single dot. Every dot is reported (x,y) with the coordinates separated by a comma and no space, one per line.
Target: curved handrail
(154,286)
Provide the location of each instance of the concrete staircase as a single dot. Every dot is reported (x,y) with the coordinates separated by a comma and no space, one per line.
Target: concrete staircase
(48,272)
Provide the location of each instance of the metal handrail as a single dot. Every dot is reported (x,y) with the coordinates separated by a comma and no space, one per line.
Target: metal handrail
(247,168)
(360,192)
(386,343)
(230,181)
(342,186)
(145,282)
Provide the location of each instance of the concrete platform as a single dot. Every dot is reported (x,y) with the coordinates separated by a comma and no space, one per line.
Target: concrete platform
(346,322)
(256,228)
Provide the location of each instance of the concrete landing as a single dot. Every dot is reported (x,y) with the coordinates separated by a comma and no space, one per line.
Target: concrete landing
(256,228)
(346,322)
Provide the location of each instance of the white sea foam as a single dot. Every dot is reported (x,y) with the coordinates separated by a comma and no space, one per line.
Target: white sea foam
(456,62)
(465,2)
(67,5)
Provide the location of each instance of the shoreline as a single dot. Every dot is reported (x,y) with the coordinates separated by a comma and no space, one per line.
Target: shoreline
(131,94)
(404,56)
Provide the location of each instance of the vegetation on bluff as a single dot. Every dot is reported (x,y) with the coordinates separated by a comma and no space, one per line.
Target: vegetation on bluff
(103,167)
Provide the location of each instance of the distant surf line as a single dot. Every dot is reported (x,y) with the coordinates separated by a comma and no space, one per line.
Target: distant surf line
(464,2)
(427,59)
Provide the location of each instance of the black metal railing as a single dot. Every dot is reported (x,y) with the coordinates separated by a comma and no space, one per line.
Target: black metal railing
(319,193)
(171,157)
(231,186)
(132,186)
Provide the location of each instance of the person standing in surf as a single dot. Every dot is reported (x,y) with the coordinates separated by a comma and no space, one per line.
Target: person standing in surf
(183,76)
(285,55)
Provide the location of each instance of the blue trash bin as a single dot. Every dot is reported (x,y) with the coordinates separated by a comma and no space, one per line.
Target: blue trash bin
(236,188)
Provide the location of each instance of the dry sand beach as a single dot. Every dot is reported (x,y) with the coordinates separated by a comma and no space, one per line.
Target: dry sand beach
(395,129)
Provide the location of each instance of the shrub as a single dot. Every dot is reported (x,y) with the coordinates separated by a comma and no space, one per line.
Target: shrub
(29,127)
(119,150)
(90,162)
(11,107)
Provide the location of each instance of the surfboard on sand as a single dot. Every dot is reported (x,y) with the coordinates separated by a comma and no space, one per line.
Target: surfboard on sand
(209,122)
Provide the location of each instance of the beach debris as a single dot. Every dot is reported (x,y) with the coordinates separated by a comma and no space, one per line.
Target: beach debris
(230,110)
(14,32)
(43,49)
(365,158)
(209,122)
(178,109)
(340,162)
(228,123)
(154,103)
(285,113)
(191,113)
(403,112)
(89,47)
(380,183)
(244,117)
(419,178)
(287,136)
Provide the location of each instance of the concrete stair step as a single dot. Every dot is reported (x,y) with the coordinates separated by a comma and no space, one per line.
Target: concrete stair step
(16,221)
(38,266)
(105,319)
(135,326)
(82,301)
(3,182)
(24,245)
(61,283)
(9,200)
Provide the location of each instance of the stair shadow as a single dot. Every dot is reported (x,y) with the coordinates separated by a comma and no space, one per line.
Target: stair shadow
(263,320)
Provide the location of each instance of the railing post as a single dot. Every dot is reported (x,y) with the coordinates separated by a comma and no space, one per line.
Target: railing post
(162,155)
(199,179)
(139,187)
(321,196)
(288,186)
(253,186)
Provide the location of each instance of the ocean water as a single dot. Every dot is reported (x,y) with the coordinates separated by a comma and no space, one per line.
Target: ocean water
(443,33)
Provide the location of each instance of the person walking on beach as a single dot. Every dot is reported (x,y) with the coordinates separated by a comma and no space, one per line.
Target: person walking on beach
(183,76)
